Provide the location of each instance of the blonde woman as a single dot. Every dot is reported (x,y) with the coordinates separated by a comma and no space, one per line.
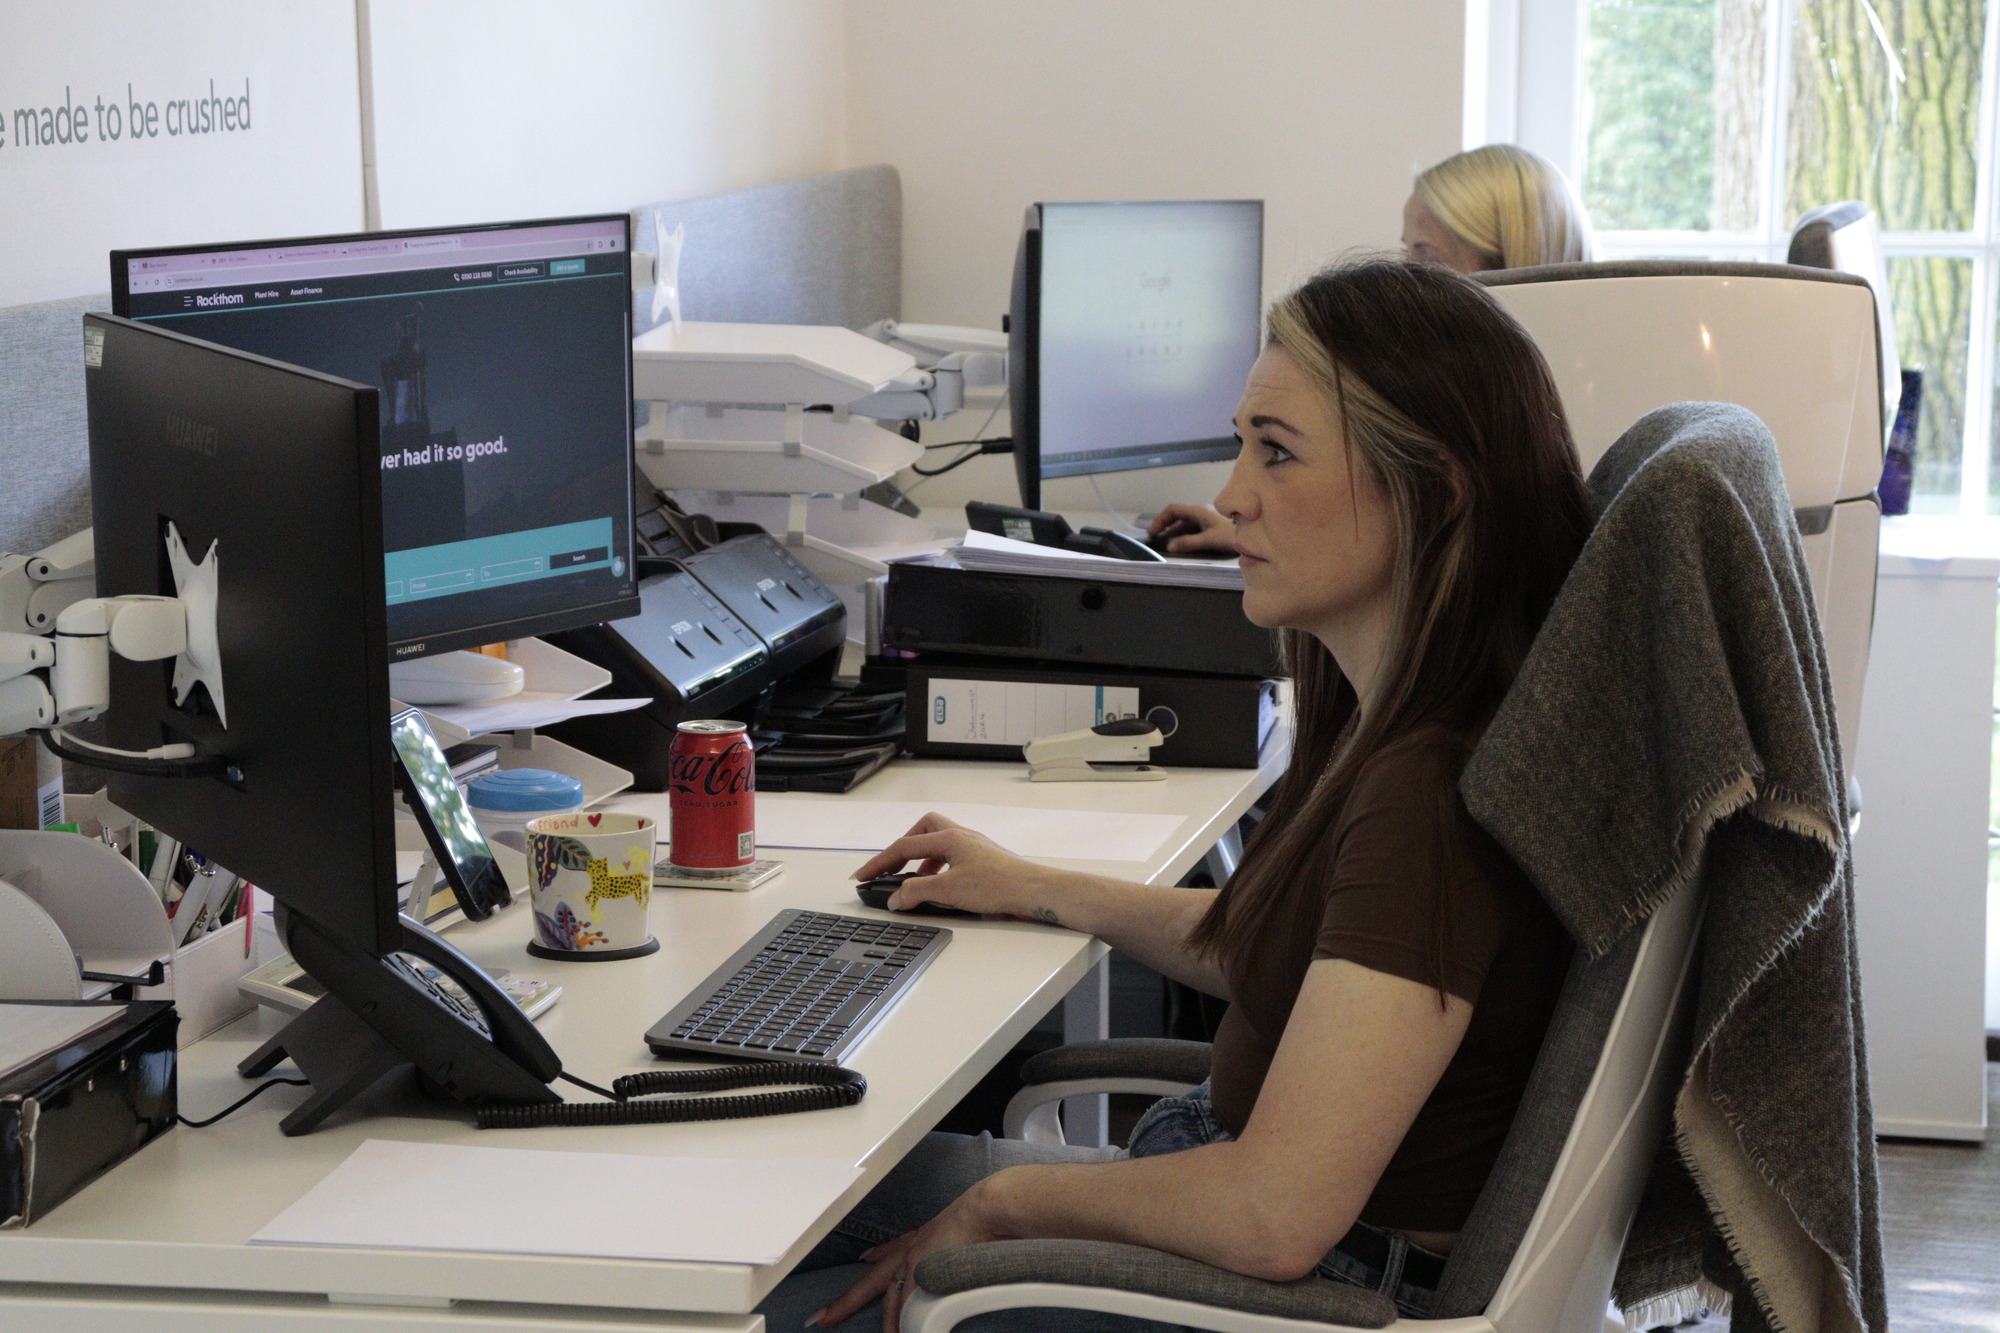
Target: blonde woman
(1493,207)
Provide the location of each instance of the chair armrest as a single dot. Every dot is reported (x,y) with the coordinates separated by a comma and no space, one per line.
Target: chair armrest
(1154,1066)
(1104,1265)
(1156,1058)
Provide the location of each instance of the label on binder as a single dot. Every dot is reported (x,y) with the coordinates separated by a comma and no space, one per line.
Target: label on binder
(1001,712)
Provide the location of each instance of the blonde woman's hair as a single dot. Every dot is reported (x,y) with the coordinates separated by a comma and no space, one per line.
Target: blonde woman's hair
(1513,207)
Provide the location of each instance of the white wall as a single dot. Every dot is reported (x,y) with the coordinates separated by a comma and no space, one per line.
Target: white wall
(65,204)
(487,110)
(1325,109)
(484,110)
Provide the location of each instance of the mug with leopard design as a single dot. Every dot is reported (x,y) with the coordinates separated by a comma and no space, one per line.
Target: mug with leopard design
(591,876)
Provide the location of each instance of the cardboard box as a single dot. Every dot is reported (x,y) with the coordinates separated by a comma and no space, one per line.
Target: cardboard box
(31,792)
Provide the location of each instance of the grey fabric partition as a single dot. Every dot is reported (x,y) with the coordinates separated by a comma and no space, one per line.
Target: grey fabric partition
(44,441)
(821,250)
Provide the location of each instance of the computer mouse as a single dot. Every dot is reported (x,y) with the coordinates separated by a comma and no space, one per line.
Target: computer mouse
(876,892)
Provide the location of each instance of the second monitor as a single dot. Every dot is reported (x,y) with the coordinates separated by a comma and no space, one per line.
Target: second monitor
(504,364)
(1131,330)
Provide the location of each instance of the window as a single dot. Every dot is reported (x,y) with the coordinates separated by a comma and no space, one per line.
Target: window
(1704,128)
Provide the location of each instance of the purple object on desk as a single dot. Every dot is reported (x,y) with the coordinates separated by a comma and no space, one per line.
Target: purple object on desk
(1900,458)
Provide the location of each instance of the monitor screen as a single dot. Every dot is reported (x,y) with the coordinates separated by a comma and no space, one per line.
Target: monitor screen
(1148,322)
(503,359)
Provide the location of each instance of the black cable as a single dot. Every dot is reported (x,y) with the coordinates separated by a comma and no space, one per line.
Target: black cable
(1007,440)
(605,1093)
(960,461)
(827,1087)
(1002,445)
(242,1101)
(202,766)
(722,1078)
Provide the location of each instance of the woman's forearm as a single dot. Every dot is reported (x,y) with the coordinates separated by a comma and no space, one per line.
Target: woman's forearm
(1146,922)
(1202,1203)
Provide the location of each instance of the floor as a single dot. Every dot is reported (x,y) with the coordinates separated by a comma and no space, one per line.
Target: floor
(1941,1230)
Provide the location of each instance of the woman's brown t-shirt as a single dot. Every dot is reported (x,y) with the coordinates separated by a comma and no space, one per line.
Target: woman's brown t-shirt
(1415,883)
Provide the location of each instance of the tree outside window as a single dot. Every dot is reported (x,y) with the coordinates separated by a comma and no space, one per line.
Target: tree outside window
(1710,126)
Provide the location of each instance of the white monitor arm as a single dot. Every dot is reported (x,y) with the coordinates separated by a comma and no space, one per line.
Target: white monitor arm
(950,360)
(34,589)
(49,681)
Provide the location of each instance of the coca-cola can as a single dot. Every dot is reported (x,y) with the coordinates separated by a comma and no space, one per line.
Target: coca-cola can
(712,785)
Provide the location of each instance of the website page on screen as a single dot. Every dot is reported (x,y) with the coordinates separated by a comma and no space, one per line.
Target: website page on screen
(502,360)
(1149,325)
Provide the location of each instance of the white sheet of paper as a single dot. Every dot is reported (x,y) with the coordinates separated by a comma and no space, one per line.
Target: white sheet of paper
(983,550)
(869,826)
(526,711)
(435,1196)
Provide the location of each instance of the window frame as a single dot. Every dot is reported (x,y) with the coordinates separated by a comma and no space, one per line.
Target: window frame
(1525,84)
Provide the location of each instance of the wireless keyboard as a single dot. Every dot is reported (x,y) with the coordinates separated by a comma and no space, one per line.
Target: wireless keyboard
(807,987)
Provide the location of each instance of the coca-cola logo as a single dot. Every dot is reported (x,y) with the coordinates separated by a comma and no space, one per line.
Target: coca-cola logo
(730,773)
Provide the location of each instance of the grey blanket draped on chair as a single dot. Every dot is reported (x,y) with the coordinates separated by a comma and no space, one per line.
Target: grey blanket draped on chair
(1687,632)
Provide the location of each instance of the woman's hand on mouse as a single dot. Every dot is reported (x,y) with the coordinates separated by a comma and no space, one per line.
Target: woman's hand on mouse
(960,867)
(1193,529)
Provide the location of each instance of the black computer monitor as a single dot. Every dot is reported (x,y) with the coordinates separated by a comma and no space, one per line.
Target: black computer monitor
(1131,330)
(271,471)
(503,356)
(274,466)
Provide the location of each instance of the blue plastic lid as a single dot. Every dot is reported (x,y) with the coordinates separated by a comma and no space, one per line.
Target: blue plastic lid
(536,789)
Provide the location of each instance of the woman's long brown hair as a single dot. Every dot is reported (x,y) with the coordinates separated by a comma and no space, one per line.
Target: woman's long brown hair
(1449,405)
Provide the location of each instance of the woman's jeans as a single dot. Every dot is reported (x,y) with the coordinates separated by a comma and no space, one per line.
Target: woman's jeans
(944,1166)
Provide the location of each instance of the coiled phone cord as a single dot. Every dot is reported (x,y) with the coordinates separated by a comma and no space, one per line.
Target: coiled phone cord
(806,1088)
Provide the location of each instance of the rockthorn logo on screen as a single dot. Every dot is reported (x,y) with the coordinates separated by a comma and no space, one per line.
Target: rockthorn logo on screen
(219,298)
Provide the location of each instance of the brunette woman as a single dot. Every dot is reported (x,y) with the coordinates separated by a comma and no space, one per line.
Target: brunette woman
(1407,503)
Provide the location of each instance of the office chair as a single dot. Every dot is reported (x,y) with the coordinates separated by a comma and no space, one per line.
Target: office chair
(1847,238)
(1538,1252)
(1799,346)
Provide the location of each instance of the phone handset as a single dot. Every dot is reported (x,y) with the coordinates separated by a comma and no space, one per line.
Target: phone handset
(505,1022)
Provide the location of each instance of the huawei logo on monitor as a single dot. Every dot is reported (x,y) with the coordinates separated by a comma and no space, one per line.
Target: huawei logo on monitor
(191,436)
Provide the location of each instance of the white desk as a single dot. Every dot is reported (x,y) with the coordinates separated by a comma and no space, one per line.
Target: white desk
(159,1244)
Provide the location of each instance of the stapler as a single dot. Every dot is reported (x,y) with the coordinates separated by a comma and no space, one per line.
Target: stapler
(1108,752)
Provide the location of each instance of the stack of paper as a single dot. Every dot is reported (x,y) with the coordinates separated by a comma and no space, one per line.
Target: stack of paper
(1004,555)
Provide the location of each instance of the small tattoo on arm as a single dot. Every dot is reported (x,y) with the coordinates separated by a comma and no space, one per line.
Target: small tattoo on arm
(1047,916)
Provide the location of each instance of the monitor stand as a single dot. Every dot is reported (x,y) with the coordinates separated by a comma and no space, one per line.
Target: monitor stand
(376,1019)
